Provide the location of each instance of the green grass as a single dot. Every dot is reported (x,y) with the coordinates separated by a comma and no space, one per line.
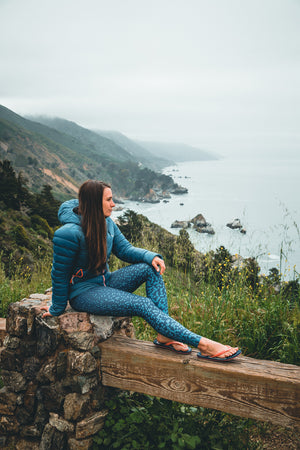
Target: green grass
(23,282)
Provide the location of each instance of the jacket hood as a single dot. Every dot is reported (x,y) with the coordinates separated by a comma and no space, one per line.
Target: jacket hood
(66,213)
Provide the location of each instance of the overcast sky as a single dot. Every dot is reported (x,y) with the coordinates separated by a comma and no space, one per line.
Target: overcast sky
(218,74)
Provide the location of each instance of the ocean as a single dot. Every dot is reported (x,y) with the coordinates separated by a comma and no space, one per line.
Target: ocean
(262,192)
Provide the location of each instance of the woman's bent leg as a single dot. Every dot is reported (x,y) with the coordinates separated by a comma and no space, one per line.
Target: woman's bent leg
(108,301)
(129,278)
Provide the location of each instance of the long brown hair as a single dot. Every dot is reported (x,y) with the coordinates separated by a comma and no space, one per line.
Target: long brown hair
(93,222)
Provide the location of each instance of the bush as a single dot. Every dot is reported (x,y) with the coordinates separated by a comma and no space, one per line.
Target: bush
(41,225)
(138,421)
(21,236)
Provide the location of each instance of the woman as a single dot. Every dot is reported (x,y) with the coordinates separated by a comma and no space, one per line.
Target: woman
(80,274)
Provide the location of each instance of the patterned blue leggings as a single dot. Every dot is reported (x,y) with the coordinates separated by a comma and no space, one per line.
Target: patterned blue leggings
(116,299)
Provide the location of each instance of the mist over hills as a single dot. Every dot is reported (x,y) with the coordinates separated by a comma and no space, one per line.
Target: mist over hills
(178,152)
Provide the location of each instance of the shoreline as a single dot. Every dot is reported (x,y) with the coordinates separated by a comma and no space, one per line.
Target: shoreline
(272,232)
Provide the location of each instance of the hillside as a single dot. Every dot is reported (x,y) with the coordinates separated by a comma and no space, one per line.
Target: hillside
(154,161)
(83,141)
(48,156)
(96,140)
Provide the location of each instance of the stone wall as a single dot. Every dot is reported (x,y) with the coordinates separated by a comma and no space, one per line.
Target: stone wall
(52,396)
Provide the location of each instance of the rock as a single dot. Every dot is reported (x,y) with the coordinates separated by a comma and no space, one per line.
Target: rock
(90,425)
(23,444)
(29,398)
(81,362)
(165,194)
(48,335)
(30,431)
(99,397)
(207,229)
(103,326)
(7,401)
(199,221)
(31,367)
(21,315)
(235,224)
(151,197)
(61,364)
(76,406)
(27,347)
(3,441)
(123,326)
(41,417)
(13,380)
(177,190)
(80,340)
(80,383)
(10,361)
(243,231)
(72,321)
(11,342)
(23,416)
(40,296)
(87,383)
(8,425)
(53,396)
(52,439)
(201,225)
(47,373)
(180,224)
(60,424)
(84,444)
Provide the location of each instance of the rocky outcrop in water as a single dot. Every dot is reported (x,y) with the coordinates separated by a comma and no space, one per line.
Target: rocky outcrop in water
(181,224)
(199,224)
(236,225)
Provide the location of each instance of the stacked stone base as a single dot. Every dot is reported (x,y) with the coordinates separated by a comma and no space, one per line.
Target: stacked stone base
(52,396)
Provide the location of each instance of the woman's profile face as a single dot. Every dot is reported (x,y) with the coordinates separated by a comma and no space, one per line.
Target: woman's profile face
(107,202)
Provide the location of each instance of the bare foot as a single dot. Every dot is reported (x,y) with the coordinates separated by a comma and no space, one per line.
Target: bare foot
(179,347)
(212,348)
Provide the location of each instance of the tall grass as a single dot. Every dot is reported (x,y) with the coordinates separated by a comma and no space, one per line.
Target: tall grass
(23,281)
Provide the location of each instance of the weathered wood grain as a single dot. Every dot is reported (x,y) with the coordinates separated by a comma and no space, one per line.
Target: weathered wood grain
(263,390)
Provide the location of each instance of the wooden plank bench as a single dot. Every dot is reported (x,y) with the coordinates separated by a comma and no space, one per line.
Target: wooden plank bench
(246,387)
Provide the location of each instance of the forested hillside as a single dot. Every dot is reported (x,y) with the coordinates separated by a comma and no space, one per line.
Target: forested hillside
(62,160)
(96,139)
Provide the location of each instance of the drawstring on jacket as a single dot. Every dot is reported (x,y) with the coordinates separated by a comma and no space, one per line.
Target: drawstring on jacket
(79,274)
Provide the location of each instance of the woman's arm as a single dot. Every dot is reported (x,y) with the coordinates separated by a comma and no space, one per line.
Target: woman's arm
(65,247)
(127,252)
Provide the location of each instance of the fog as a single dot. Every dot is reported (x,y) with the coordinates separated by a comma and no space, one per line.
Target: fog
(220,75)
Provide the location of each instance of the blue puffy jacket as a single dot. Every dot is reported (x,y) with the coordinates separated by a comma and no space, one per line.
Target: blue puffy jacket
(70,275)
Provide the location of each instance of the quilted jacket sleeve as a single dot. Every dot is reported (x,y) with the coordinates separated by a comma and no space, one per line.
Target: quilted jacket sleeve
(127,252)
(65,247)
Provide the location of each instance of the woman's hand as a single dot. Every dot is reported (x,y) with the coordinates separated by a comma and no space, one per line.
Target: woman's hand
(158,264)
(46,314)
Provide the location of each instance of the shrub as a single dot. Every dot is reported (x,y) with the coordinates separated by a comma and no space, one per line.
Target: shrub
(21,236)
